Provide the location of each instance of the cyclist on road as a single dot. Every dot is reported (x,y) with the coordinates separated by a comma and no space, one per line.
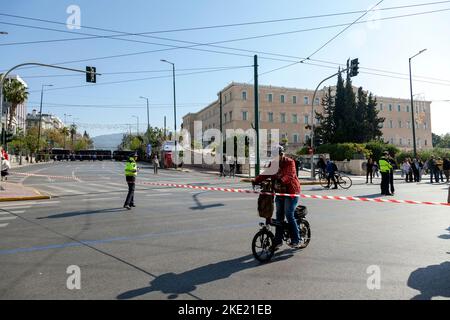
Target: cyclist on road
(286,181)
(331,169)
(130,176)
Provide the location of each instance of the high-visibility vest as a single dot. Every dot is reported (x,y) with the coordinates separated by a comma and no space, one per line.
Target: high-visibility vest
(131,169)
(385,166)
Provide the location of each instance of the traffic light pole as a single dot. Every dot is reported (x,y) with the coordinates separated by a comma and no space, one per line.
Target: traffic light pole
(2,81)
(313,177)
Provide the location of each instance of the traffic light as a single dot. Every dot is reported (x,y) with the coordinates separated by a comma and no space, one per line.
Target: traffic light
(90,74)
(5,137)
(354,67)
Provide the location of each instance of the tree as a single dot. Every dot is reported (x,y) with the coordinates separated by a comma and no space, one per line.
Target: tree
(373,122)
(339,118)
(65,132)
(73,132)
(327,126)
(442,141)
(15,93)
(360,130)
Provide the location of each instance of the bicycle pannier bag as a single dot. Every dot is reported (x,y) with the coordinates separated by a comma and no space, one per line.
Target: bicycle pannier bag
(265,205)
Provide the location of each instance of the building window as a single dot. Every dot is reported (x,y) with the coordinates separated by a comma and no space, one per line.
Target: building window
(392,140)
(269,97)
(244,115)
(244,95)
(307,138)
(390,124)
(390,107)
(282,98)
(408,124)
(425,126)
(316,101)
(401,141)
(426,142)
(270,116)
(407,108)
(409,142)
(295,137)
(294,99)
(294,118)
(225,118)
(381,107)
(231,113)
(306,119)
(399,123)
(283,117)
(399,108)
(305,100)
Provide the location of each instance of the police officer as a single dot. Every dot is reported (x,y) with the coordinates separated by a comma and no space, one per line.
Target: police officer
(385,169)
(130,176)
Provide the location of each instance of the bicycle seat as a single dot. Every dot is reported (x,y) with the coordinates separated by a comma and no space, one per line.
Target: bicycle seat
(300,212)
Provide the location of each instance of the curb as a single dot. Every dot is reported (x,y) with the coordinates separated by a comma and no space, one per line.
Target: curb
(25,198)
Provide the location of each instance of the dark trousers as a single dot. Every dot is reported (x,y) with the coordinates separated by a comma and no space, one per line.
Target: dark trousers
(409,176)
(130,196)
(331,176)
(369,173)
(416,175)
(385,182)
(391,181)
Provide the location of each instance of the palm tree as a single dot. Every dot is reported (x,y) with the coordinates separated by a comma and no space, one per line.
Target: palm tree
(15,93)
(73,132)
(65,132)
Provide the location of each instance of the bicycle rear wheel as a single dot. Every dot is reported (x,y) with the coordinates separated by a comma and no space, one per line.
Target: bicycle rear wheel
(323,180)
(262,245)
(344,182)
(305,232)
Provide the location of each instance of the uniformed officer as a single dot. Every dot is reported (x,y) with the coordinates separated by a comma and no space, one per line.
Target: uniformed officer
(130,176)
(385,169)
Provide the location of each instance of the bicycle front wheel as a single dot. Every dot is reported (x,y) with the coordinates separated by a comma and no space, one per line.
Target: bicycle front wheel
(262,245)
(323,180)
(344,182)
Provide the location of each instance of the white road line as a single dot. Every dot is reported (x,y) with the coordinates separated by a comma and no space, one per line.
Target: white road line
(3,225)
(7,218)
(17,212)
(159,194)
(99,199)
(18,204)
(60,189)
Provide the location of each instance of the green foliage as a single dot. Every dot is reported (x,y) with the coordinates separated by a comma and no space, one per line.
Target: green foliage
(442,141)
(15,93)
(343,151)
(377,147)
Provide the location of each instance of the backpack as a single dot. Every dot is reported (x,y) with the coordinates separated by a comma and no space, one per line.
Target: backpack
(265,205)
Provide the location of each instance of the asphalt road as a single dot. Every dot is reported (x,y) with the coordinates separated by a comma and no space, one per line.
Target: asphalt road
(188,244)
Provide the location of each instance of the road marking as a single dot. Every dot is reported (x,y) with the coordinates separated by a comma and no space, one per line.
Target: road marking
(60,189)
(159,194)
(19,205)
(3,225)
(7,218)
(16,212)
(98,199)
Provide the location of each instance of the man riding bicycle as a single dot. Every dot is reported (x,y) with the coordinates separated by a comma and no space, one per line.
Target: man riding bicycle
(286,181)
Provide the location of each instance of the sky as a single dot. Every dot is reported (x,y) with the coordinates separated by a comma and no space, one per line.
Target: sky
(113,105)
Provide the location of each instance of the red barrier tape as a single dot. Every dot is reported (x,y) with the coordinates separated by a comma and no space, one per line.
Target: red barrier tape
(306,196)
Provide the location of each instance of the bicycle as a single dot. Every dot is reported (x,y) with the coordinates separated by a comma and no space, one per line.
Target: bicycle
(263,247)
(342,180)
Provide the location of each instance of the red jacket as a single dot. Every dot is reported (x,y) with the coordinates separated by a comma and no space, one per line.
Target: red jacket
(5,155)
(287,174)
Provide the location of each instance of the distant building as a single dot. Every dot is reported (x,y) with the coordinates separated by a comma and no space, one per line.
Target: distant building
(19,119)
(49,121)
(289,111)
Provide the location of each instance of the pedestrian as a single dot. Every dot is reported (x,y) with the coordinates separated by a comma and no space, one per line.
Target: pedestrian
(221,167)
(385,169)
(446,167)
(431,164)
(415,169)
(130,176)
(369,170)
(321,164)
(375,169)
(406,170)
(440,169)
(155,164)
(391,172)
(421,169)
(331,173)
(5,166)
(297,166)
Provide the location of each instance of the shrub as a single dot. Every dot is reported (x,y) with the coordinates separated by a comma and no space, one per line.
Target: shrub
(377,148)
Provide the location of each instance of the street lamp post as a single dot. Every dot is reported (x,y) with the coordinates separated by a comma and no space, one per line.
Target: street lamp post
(174,108)
(40,117)
(137,128)
(412,103)
(148,116)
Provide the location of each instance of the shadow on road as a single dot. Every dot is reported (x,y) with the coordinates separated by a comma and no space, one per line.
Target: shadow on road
(432,281)
(175,284)
(371,196)
(80,213)
(201,206)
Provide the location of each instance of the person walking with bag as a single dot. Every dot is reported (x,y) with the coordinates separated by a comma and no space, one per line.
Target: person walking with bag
(130,176)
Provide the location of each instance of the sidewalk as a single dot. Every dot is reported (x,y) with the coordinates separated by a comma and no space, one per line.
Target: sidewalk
(18,192)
